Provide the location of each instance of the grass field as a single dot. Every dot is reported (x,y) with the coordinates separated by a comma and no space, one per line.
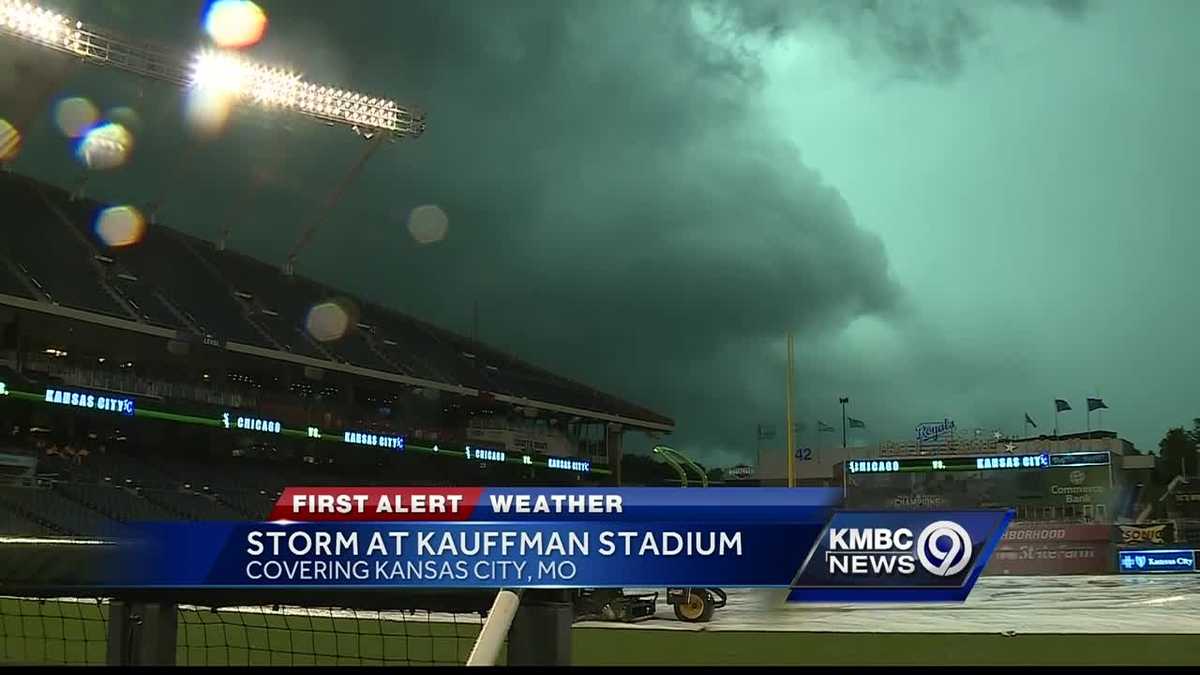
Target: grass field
(75,632)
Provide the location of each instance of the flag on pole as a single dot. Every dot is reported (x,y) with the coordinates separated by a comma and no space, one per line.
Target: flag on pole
(856,424)
(1029,421)
(766,432)
(1096,404)
(821,426)
(1061,405)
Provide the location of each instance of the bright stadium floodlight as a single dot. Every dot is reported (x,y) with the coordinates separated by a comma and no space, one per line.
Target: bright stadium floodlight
(243,81)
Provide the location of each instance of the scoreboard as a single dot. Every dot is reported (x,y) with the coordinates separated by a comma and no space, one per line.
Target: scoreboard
(1043,460)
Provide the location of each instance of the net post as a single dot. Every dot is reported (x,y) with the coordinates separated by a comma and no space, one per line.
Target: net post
(141,634)
(541,630)
(120,633)
(156,641)
(499,620)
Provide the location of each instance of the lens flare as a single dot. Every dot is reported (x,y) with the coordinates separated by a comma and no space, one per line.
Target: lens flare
(126,117)
(428,224)
(105,147)
(235,24)
(328,321)
(207,111)
(10,140)
(120,226)
(75,116)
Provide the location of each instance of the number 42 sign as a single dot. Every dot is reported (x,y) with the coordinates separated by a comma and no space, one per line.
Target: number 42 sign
(804,454)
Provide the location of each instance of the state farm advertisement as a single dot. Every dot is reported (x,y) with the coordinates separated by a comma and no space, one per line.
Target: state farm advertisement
(1030,549)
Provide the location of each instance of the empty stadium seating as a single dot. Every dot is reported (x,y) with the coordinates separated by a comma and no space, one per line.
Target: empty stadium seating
(55,258)
(10,284)
(163,261)
(98,493)
(53,511)
(195,506)
(145,302)
(117,503)
(12,522)
(169,278)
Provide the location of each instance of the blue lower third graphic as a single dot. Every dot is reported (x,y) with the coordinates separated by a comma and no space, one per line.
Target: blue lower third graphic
(1151,561)
(846,556)
(899,557)
(464,555)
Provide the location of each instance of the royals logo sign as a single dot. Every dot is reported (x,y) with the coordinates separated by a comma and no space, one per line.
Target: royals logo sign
(932,431)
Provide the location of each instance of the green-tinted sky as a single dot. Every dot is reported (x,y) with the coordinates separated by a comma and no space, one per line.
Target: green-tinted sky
(964,209)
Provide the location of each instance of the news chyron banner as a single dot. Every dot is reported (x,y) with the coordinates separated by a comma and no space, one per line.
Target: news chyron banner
(575,538)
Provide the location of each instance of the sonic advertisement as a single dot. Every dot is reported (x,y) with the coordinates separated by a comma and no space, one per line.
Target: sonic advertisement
(574,538)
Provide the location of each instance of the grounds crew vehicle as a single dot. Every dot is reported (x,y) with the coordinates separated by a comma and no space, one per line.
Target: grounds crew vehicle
(693,605)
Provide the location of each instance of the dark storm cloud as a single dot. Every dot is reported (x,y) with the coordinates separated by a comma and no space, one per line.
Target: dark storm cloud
(619,209)
(924,40)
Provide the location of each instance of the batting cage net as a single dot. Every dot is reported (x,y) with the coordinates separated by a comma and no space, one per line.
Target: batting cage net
(75,631)
(36,631)
(50,615)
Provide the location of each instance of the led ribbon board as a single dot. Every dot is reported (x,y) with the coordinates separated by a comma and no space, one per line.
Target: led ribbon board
(244,423)
(373,440)
(232,420)
(949,463)
(91,401)
(1043,460)
(582,466)
(486,454)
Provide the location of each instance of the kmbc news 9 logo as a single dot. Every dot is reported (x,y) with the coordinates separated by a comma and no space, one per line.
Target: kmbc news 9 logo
(895,556)
(943,549)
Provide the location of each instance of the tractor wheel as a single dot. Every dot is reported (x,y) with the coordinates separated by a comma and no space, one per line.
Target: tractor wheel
(699,607)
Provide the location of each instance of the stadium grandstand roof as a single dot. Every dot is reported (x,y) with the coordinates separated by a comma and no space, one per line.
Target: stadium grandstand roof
(176,286)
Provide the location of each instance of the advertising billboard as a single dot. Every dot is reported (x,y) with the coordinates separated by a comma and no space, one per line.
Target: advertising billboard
(1030,549)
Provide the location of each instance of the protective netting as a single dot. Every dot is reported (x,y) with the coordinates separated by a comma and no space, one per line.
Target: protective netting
(75,631)
(286,636)
(53,631)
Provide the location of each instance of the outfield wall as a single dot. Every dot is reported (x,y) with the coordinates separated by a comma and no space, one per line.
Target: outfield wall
(1033,549)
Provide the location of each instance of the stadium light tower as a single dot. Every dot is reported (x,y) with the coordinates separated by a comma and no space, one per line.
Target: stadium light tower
(236,80)
(242,80)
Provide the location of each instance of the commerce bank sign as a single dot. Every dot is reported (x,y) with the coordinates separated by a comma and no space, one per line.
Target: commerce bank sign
(1077,494)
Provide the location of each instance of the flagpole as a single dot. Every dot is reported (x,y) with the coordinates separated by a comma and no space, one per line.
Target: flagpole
(843,400)
(757,441)
(791,434)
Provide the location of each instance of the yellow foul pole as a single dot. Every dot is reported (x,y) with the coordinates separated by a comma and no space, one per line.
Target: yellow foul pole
(791,434)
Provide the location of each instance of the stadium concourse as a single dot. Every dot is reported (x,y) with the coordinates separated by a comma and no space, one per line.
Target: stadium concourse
(170,378)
